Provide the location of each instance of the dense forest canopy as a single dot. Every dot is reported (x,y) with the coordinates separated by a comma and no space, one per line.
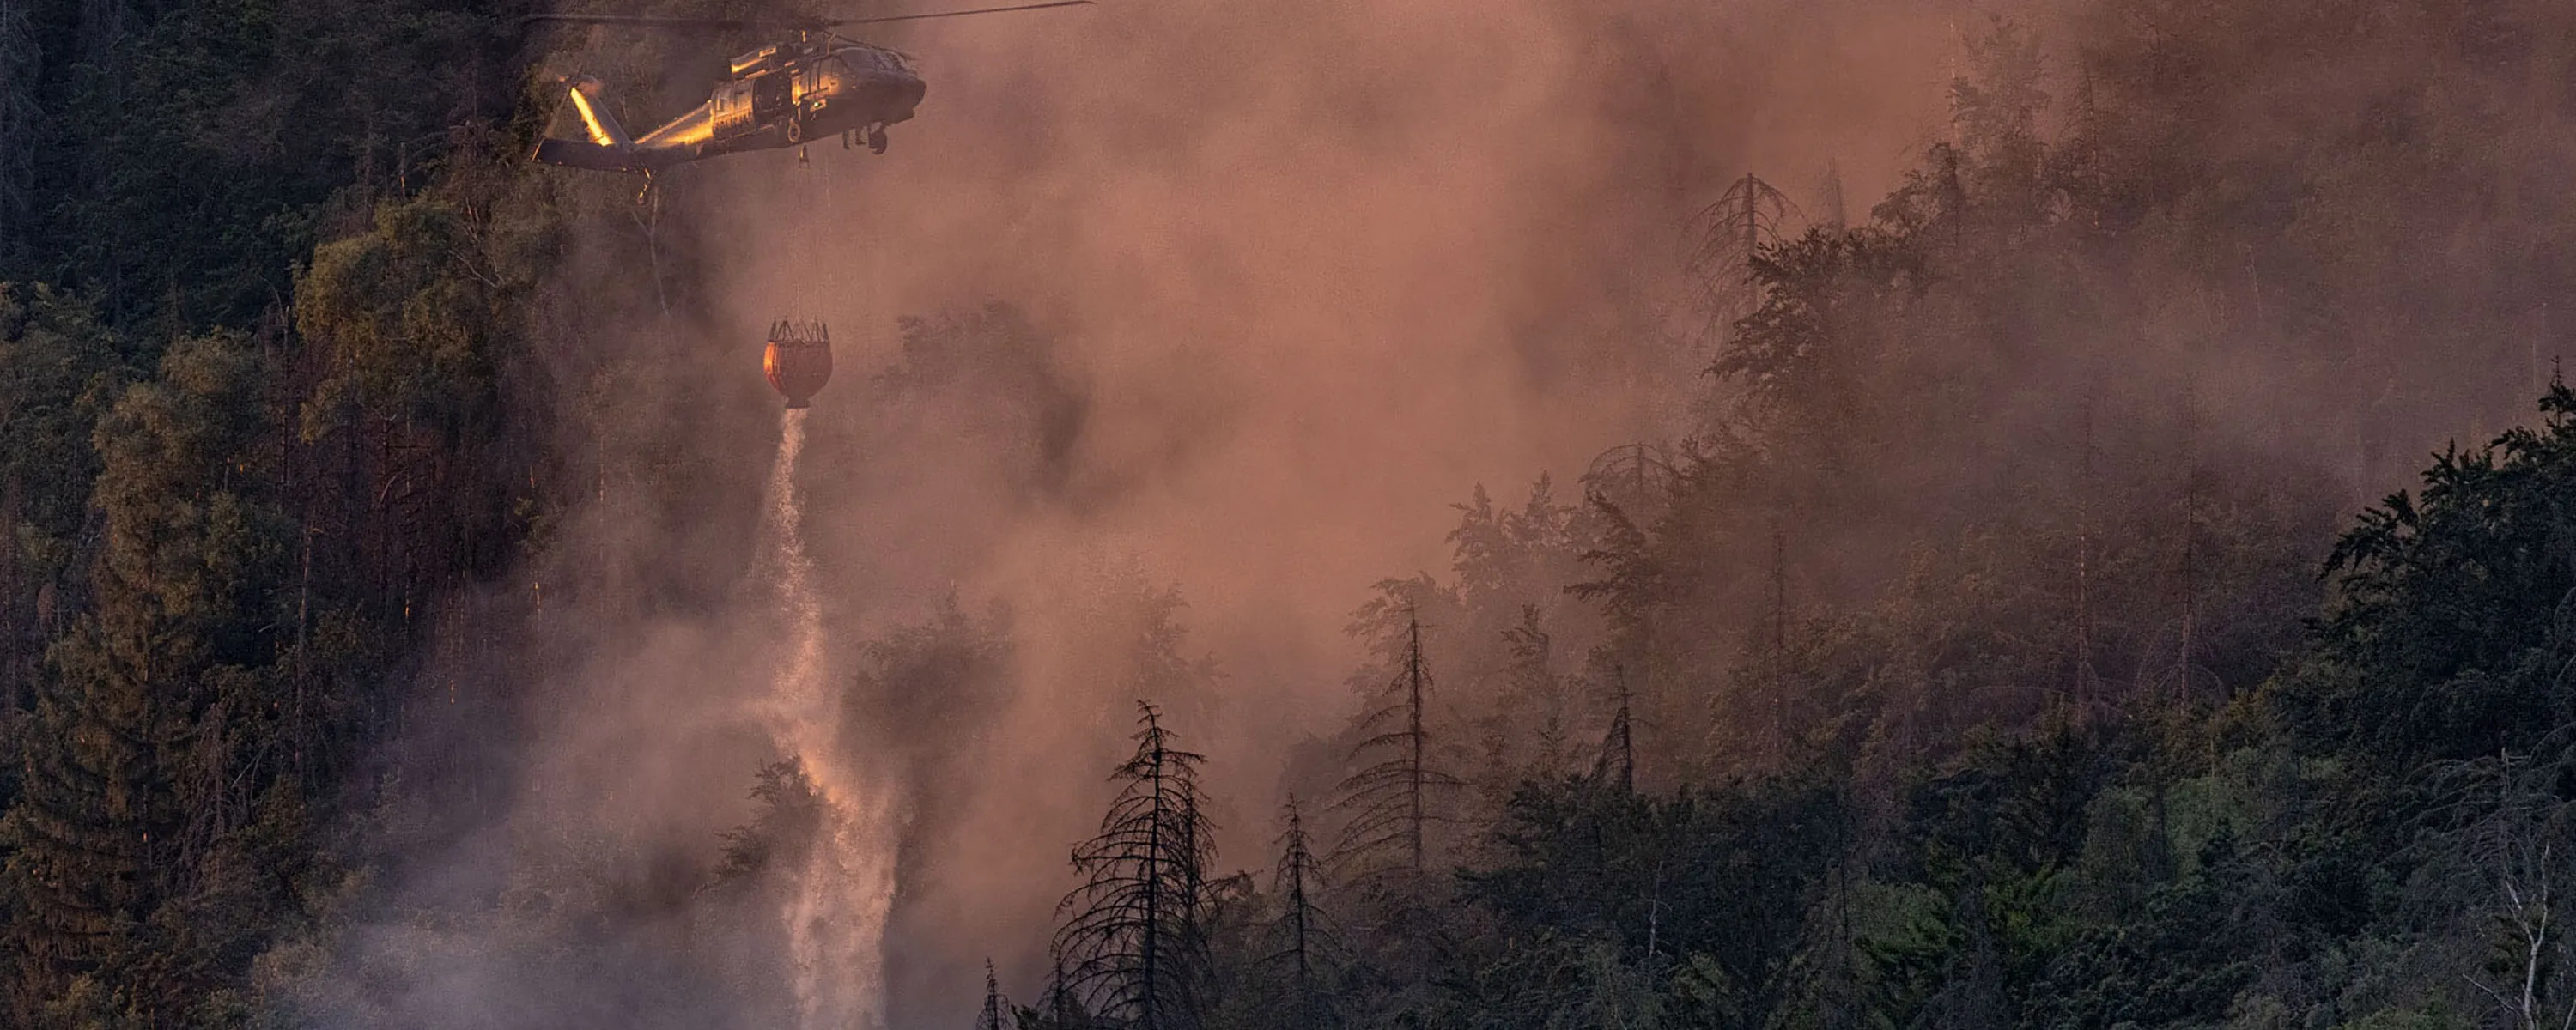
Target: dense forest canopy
(2114,565)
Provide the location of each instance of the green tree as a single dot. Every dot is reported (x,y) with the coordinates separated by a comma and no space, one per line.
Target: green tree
(2452,615)
(59,372)
(148,788)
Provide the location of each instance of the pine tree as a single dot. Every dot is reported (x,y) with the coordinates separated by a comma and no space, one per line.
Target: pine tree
(21,62)
(145,755)
(1390,798)
(1534,682)
(1134,944)
(1996,110)
(1384,848)
(995,1014)
(1305,938)
(1618,762)
(57,376)
(1061,1012)
(1749,216)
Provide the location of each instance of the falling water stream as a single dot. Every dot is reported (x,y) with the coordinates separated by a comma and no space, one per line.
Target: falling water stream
(835,911)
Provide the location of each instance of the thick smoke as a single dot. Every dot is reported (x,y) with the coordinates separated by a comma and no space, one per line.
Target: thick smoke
(1306,273)
(1229,298)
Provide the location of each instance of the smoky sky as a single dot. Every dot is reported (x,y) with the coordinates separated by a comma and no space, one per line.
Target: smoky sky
(1229,299)
(1308,273)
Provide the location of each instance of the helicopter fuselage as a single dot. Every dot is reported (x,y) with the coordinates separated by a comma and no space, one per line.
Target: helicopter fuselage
(779,96)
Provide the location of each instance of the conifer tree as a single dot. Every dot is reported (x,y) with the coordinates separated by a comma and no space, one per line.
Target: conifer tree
(1618,762)
(1060,1010)
(144,753)
(994,1015)
(1304,936)
(1390,798)
(1534,682)
(1133,943)
(1751,215)
(1384,849)
(57,376)
(20,63)
(1996,111)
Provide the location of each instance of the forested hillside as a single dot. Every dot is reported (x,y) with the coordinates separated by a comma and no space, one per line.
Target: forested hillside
(2051,611)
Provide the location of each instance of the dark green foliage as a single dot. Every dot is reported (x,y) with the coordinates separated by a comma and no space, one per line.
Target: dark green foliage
(1951,674)
(152,789)
(59,371)
(2456,610)
(411,333)
(188,158)
(2183,959)
(1677,881)
(192,636)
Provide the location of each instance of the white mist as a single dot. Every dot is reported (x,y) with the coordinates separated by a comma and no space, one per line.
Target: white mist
(835,912)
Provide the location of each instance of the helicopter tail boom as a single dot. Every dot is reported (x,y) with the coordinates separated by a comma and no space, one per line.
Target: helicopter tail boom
(573,153)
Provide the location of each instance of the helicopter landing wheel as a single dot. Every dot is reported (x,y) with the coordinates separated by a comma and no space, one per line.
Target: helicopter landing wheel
(795,130)
(876,139)
(845,137)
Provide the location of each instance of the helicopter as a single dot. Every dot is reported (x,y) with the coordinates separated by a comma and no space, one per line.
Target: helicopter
(812,84)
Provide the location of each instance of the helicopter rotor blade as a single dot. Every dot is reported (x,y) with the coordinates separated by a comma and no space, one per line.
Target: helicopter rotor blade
(882,19)
(791,24)
(652,21)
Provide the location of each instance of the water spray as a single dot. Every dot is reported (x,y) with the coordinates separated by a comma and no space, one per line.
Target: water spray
(835,916)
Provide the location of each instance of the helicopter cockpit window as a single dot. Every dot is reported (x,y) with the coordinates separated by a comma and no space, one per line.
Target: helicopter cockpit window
(878,60)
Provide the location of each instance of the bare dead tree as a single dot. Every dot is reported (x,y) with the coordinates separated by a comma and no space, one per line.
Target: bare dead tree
(1384,849)
(2506,814)
(995,1014)
(1389,797)
(1725,239)
(1636,478)
(1059,1002)
(1829,198)
(1303,933)
(1133,945)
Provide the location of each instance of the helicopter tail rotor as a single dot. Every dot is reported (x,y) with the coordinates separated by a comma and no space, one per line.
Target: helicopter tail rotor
(604,131)
(607,149)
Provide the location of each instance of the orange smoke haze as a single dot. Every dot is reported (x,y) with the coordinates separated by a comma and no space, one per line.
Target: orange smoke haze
(1317,269)
(1306,272)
